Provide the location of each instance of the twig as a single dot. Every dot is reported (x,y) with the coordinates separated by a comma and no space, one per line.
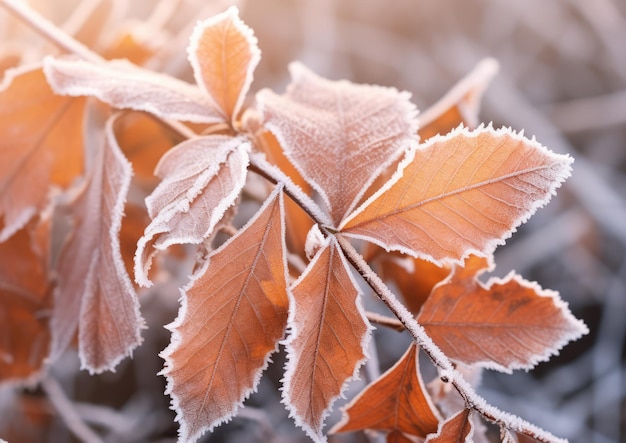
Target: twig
(66,410)
(383,320)
(49,31)
(447,370)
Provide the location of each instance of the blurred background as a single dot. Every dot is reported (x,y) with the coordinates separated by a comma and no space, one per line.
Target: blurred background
(562,79)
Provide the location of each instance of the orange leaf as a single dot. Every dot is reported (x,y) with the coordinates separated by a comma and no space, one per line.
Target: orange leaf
(460,104)
(298,222)
(24,301)
(456,429)
(505,324)
(395,402)
(95,294)
(202,178)
(462,193)
(223,52)
(329,332)
(397,437)
(365,128)
(413,277)
(124,85)
(143,141)
(233,313)
(41,145)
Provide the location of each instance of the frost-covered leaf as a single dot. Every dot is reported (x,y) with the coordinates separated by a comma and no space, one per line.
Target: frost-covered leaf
(41,145)
(233,313)
(395,402)
(223,52)
(25,300)
(456,429)
(462,193)
(95,294)
(339,135)
(461,104)
(202,178)
(504,324)
(329,333)
(124,85)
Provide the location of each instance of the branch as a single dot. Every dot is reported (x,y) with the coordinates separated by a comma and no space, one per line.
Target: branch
(447,372)
(261,166)
(67,411)
(49,30)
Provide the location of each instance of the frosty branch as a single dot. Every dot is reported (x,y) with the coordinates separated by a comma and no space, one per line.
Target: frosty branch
(432,202)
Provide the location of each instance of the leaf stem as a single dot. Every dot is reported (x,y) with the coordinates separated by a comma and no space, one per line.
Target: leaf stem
(49,30)
(472,399)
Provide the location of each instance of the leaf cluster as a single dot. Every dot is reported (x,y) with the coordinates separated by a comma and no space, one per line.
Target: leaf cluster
(329,165)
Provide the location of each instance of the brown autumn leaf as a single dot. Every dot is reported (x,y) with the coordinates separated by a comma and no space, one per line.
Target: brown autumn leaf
(460,104)
(340,136)
(143,140)
(233,313)
(202,178)
(329,333)
(398,437)
(462,193)
(25,301)
(41,145)
(396,402)
(95,294)
(504,324)
(456,429)
(223,52)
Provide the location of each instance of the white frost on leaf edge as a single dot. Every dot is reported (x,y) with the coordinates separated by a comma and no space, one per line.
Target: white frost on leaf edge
(114,230)
(69,76)
(492,244)
(232,14)
(176,339)
(290,366)
(577,327)
(159,224)
(299,70)
(468,439)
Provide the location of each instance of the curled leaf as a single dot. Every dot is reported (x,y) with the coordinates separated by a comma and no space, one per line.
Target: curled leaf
(95,294)
(202,178)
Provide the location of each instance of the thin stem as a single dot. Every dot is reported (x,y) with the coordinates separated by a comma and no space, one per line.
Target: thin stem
(383,320)
(67,411)
(446,368)
(49,30)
